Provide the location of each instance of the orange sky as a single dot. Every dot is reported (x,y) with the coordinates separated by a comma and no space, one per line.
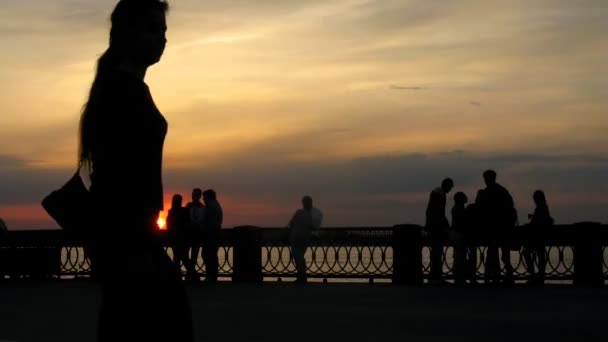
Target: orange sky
(312,85)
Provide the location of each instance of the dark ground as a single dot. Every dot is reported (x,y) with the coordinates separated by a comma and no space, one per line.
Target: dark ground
(66,311)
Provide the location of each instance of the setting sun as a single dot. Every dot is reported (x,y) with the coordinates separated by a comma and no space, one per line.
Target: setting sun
(162,224)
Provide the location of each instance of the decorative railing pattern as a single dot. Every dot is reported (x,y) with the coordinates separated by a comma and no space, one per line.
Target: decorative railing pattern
(335,253)
(559,263)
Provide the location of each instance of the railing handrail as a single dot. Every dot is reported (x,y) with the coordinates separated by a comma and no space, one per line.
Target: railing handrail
(392,252)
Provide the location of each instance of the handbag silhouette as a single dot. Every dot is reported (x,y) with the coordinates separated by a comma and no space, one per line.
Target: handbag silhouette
(70,205)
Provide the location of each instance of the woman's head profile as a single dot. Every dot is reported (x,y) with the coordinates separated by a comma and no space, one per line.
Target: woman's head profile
(539,198)
(138,31)
(137,40)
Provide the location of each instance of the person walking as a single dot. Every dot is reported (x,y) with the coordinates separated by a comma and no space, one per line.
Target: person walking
(122,133)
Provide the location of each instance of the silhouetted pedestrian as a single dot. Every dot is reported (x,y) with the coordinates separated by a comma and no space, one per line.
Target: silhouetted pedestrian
(499,217)
(534,247)
(121,143)
(437,226)
(196,210)
(301,226)
(177,227)
(214,217)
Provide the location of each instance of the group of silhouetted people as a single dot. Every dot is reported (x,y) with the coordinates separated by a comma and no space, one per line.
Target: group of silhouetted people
(492,217)
(198,225)
(194,226)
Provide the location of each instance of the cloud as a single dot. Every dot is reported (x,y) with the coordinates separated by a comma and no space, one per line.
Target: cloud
(23,183)
(393,189)
(397,87)
(376,190)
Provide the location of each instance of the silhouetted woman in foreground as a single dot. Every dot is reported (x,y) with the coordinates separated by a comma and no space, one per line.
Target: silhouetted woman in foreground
(121,144)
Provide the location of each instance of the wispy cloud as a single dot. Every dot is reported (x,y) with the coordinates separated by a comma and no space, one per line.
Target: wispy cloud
(216,39)
(398,87)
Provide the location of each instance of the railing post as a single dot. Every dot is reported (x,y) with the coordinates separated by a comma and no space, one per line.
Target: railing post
(247,255)
(407,255)
(588,255)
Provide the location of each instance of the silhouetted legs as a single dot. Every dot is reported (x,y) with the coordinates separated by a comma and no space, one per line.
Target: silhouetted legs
(460,257)
(471,262)
(298,249)
(492,273)
(143,299)
(505,256)
(210,249)
(195,249)
(436,257)
(180,255)
(535,252)
(493,270)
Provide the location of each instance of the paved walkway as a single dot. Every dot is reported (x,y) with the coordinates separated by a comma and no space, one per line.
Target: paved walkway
(66,311)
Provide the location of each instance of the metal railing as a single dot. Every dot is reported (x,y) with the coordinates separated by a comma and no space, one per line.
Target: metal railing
(401,254)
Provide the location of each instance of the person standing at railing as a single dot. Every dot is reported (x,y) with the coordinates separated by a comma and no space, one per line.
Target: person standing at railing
(534,248)
(214,217)
(177,227)
(437,226)
(498,216)
(196,213)
(303,223)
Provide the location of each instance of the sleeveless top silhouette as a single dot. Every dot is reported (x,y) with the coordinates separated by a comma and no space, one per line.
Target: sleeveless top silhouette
(541,217)
(127,145)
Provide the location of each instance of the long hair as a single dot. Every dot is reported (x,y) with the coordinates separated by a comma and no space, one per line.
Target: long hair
(540,199)
(123,18)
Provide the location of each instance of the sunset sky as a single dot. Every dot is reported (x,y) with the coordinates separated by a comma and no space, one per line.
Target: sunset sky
(364,105)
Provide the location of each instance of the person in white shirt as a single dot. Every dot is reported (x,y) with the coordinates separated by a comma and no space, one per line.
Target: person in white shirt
(304,222)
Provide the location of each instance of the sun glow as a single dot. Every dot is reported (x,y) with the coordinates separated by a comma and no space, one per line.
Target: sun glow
(162,223)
